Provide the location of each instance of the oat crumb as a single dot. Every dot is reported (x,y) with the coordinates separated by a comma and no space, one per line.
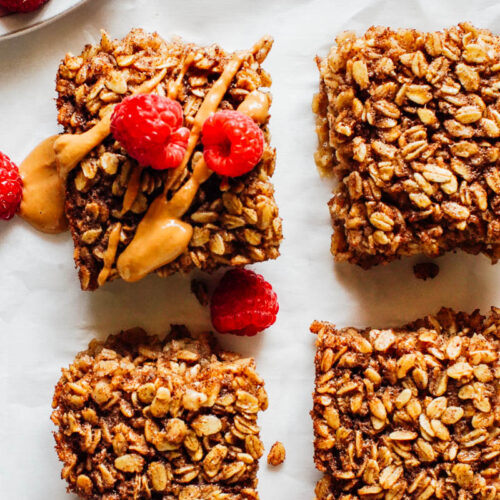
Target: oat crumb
(425,270)
(200,290)
(277,454)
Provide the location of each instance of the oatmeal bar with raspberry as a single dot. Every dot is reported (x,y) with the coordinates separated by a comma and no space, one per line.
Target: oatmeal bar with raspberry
(234,220)
(142,418)
(410,412)
(409,124)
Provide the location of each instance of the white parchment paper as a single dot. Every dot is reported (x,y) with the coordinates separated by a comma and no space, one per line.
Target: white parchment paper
(44,317)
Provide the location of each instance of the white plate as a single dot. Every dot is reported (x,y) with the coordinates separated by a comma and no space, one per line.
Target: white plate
(12,25)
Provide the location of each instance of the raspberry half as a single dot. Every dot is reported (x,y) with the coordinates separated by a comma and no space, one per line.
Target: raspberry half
(149,127)
(243,303)
(22,5)
(233,143)
(11,188)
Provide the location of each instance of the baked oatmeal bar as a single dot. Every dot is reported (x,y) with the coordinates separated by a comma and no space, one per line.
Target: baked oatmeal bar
(410,412)
(235,220)
(148,419)
(409,124)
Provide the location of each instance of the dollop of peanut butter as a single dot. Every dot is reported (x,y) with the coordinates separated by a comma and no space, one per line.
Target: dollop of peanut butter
(42,204)
(45,169)
(256,106)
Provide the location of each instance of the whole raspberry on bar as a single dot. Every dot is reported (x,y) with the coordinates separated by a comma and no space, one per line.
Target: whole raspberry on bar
(11,188)
(243,303)
(233,143)
(149,127)
(22,5)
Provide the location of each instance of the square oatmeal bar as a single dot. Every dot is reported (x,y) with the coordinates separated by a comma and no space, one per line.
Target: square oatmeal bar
(234,221)
(409,123)
(142,418)
(410,412)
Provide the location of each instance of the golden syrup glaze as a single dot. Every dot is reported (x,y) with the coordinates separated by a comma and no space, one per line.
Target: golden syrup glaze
(161,235)
(45,169)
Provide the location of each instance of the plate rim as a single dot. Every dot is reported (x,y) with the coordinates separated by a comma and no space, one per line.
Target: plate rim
(28,29)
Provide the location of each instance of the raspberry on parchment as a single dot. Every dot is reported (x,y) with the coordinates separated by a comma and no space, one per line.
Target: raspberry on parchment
(243,303)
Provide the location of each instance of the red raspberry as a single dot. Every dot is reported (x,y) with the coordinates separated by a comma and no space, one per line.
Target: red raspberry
(11,188)
(243,303)
(22,5)
(149,127)
(233,143)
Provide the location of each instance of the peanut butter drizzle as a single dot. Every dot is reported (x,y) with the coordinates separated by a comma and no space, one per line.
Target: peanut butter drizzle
(173,89)
(210,105)
(45,169)
(133,185)
(42,205)
(161,235)
(71,149)
(110,254)
(256,106)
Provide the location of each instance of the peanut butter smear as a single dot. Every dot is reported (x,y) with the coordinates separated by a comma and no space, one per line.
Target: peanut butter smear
(46,168)
(42,204)
(162,236)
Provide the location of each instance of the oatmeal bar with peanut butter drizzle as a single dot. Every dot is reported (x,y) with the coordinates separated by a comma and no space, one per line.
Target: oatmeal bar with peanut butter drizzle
(409,123)
(409,413)
(142,418)
(117,209)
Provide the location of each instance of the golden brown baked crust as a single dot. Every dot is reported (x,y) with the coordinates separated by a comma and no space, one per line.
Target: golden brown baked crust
(410,412)
(235,220)
(148,419)
(409,123)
